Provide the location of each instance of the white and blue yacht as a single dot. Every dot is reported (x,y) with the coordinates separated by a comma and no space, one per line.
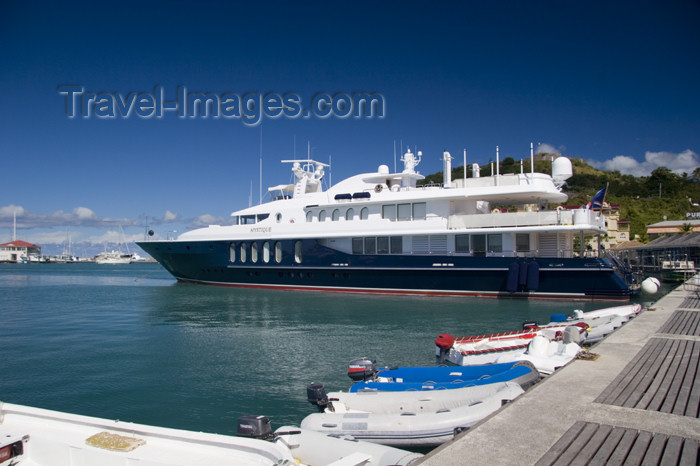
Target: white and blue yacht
(381,232)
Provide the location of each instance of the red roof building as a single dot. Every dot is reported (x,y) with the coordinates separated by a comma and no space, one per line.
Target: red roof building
(18,251)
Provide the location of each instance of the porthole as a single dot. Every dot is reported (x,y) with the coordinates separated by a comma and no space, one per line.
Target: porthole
(298,252)
(278,251)
(243,253)
(266,252)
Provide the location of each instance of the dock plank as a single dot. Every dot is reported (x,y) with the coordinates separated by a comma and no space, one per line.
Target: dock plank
(609,445)
(639,449)
(618,385)
(640,382)
(561,445)
(672,452)
(623,448)
(682,323)
(659,383)
(592,443)
(689,455)
(693,407)
(673,385)
(591,448)
(655,450)
(681,405)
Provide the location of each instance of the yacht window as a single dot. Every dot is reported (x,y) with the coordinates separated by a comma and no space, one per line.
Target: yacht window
(232,252)
(254,253)
(336,215)
(495,243)
(278,217)
(349,214)
(389,212)
(278,251)
(266,252)
(462,243)
(396,244)
(357,246)
(419,211)
(298,252)
(262,217)
(522,242)
(478,245)
(322,216)
(382,245)
(234,220)
(309,216)
(247,219)
(244,251)
(364,213)
(404,212)
(370,245)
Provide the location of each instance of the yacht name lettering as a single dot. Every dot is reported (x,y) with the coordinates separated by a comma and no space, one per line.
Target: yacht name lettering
(261,230)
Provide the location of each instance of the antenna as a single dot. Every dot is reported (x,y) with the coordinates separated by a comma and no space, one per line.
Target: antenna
(394,155)
(498,168)
(465,168)
(260,201)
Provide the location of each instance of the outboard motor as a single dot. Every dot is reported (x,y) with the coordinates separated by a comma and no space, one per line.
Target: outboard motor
(316,394)
(361,369)
(530,325)
(444,342)
(253,426)
(572,334)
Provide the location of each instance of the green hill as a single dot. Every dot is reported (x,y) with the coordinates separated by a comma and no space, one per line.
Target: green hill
(643,200)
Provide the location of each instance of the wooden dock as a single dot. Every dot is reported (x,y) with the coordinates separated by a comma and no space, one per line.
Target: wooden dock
(637,403)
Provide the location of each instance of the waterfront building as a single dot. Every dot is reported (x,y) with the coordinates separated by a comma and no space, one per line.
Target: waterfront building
(19,251)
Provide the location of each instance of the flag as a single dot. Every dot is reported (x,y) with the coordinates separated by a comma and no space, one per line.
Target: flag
(597,201)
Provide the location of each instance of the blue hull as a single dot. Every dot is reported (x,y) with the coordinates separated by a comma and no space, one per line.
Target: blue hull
(325,269)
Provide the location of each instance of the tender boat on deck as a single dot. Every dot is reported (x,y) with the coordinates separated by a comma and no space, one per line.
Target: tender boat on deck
(381,232)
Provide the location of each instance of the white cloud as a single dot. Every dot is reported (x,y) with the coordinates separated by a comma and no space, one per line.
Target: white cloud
(169,216)
(79,217)
(544,148)
(206,220)
(684,162)
(11,210)
(84,213)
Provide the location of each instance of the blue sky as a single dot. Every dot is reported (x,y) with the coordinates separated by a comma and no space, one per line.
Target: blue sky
(615,83)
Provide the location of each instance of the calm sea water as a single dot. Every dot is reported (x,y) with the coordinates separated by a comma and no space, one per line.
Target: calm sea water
(128,342)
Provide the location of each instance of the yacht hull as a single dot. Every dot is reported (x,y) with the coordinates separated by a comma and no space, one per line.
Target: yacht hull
(325,269)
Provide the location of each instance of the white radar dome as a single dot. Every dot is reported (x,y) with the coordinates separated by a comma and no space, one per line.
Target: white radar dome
(561,170)
(383,169)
